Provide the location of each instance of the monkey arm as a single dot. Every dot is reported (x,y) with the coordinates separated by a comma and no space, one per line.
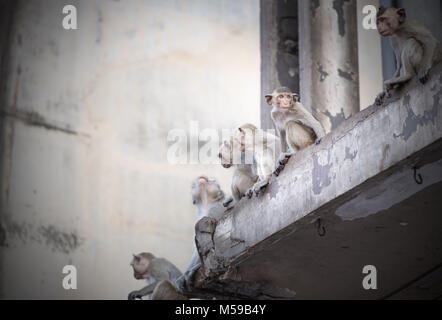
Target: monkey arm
(283,140)
(142,292)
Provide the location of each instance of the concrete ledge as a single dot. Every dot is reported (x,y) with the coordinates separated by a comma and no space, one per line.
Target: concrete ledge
(320,186)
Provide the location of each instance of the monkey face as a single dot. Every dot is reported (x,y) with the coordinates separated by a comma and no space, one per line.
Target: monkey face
(140,266)
(225,154)
(245,138)
(206,190)
(284,100)
(388,20)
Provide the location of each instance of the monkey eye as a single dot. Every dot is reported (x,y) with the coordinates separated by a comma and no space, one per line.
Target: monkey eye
(280,96)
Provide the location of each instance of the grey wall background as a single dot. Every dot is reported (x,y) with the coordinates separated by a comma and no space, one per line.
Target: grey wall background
(85,116)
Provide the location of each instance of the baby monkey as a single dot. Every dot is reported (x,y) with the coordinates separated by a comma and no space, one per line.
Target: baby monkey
(244,176)
(262,149)
(161,275)
(297,128)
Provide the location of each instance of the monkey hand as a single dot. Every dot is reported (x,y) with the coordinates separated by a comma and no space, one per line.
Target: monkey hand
(380,98)
(282,161)
(134,295)
(249,193)
(424,75)
(227,201)
(260,187)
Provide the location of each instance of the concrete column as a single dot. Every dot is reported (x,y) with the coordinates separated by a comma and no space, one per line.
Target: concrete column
(329,59)
(279,50)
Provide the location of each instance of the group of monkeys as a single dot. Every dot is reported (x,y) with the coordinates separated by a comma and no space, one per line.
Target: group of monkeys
(416,50)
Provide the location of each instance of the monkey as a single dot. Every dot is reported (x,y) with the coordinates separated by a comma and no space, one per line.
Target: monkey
(161,275)
(297,128)
(244,176)
(208,197)
(264,149)
(415,48)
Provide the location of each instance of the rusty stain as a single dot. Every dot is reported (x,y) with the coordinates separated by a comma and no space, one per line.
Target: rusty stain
(273,189)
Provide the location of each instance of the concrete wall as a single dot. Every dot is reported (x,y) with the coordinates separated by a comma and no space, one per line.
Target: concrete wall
(370,58)
(85,180)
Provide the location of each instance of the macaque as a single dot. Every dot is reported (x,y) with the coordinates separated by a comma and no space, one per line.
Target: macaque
(208,197)
(264,148)
(160,274)
(244,176)
(297,128)
(416,49)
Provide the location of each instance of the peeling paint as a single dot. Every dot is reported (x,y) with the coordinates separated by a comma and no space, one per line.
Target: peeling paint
(320,174)
(323,73)
(335,120)
(346,75)
(338,5)
(385,153)
(413,121)
(314,5)
(349,155)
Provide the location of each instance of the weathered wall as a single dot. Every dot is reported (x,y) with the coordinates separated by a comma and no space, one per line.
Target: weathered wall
(85,176)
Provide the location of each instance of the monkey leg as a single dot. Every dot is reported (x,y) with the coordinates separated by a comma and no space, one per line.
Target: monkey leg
(282,161)
(411,57)
(260,186)
(166,291)
(143,292)
(227,201)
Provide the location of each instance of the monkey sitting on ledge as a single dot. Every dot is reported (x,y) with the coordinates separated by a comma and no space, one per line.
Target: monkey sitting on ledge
(416,49)
(245,174)
(161,274)
(297,128)
(208,197)
(264,149)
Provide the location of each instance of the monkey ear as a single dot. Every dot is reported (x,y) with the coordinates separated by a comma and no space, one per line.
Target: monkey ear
(136,256)
(295,97)
(269,98)
(402,14)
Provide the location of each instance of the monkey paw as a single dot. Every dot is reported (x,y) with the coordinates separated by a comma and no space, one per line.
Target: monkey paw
(134,295)
(249,193)
(380,98)
(227,201)
(260,187)
(282,161)
(424,75)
